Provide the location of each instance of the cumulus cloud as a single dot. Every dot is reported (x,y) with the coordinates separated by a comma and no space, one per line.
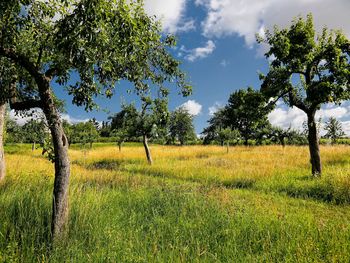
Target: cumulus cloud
(246,18)
(193,107)
(171,14)
(200,52)
(293,117)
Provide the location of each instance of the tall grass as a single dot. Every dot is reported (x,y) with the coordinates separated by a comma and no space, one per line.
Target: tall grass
(195,204)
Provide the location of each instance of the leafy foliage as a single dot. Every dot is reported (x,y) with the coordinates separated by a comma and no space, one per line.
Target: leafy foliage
(181,126)
(307,69)
(334,129)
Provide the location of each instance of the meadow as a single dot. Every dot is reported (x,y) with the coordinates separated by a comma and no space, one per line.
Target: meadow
(194,204)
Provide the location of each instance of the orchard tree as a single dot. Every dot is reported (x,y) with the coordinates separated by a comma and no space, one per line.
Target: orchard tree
(34,131)
(307,70)
(84,133)
(181,126)
(247,112)
(146,122)
(119,126)
(99,42)
(120,136)
(226,135)
(217,122)
(334,129)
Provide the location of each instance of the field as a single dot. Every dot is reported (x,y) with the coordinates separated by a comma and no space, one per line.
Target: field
(195,204)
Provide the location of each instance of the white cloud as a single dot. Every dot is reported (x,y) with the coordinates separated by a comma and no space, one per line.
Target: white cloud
(171,14)
(200,52)
(71,119)
(293,117)
(215,108)
(246,18)
(193,107)
(285,117)
(22,118)
(35,114)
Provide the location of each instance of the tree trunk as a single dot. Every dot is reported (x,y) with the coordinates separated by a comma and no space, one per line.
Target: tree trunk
(62,165)
(120,147)
(314,146)
(2,129)
(148,152)
(33,146)
(227,147)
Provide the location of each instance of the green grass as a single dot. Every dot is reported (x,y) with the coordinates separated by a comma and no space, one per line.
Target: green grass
(185,208)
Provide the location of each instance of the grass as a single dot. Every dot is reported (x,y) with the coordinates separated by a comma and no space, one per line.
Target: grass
(195,204)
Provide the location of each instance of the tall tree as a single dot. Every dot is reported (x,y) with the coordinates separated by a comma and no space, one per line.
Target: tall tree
(247,112)
(217,122)
(334,129)
(98,41)
(307,71)
(181,126)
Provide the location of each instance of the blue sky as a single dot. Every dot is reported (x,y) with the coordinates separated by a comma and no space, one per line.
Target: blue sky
(216,44)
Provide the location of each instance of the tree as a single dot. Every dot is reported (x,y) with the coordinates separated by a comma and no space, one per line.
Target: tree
(84,132)
(120,135)
(146,122)
(247,112)
(226,135)
(34,131)
(181,126)
(307,71)
(334,129)
(217,122)
(119,126)
(100,42)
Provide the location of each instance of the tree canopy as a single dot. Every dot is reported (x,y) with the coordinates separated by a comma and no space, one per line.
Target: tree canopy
(307,70)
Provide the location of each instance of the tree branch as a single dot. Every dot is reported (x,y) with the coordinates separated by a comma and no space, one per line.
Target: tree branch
(51,72)
(294,101)
(26,105)
(20,60)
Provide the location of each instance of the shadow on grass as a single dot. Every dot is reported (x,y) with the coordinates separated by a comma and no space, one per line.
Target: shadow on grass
(240,183)
(235,183)
(337,162)
(323,191)
(107,164)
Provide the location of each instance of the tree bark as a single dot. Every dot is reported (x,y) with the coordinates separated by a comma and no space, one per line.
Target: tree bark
(120,147)
(33,146)
(147,150)
(314,146)
(62,164)
(2,129)
(227,147)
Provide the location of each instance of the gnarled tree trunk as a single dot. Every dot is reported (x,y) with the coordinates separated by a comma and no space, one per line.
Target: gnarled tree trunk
(148,152)
(2,128)
(62,164)
(314,146)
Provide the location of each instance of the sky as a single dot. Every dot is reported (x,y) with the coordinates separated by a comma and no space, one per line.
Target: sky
(217,48)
